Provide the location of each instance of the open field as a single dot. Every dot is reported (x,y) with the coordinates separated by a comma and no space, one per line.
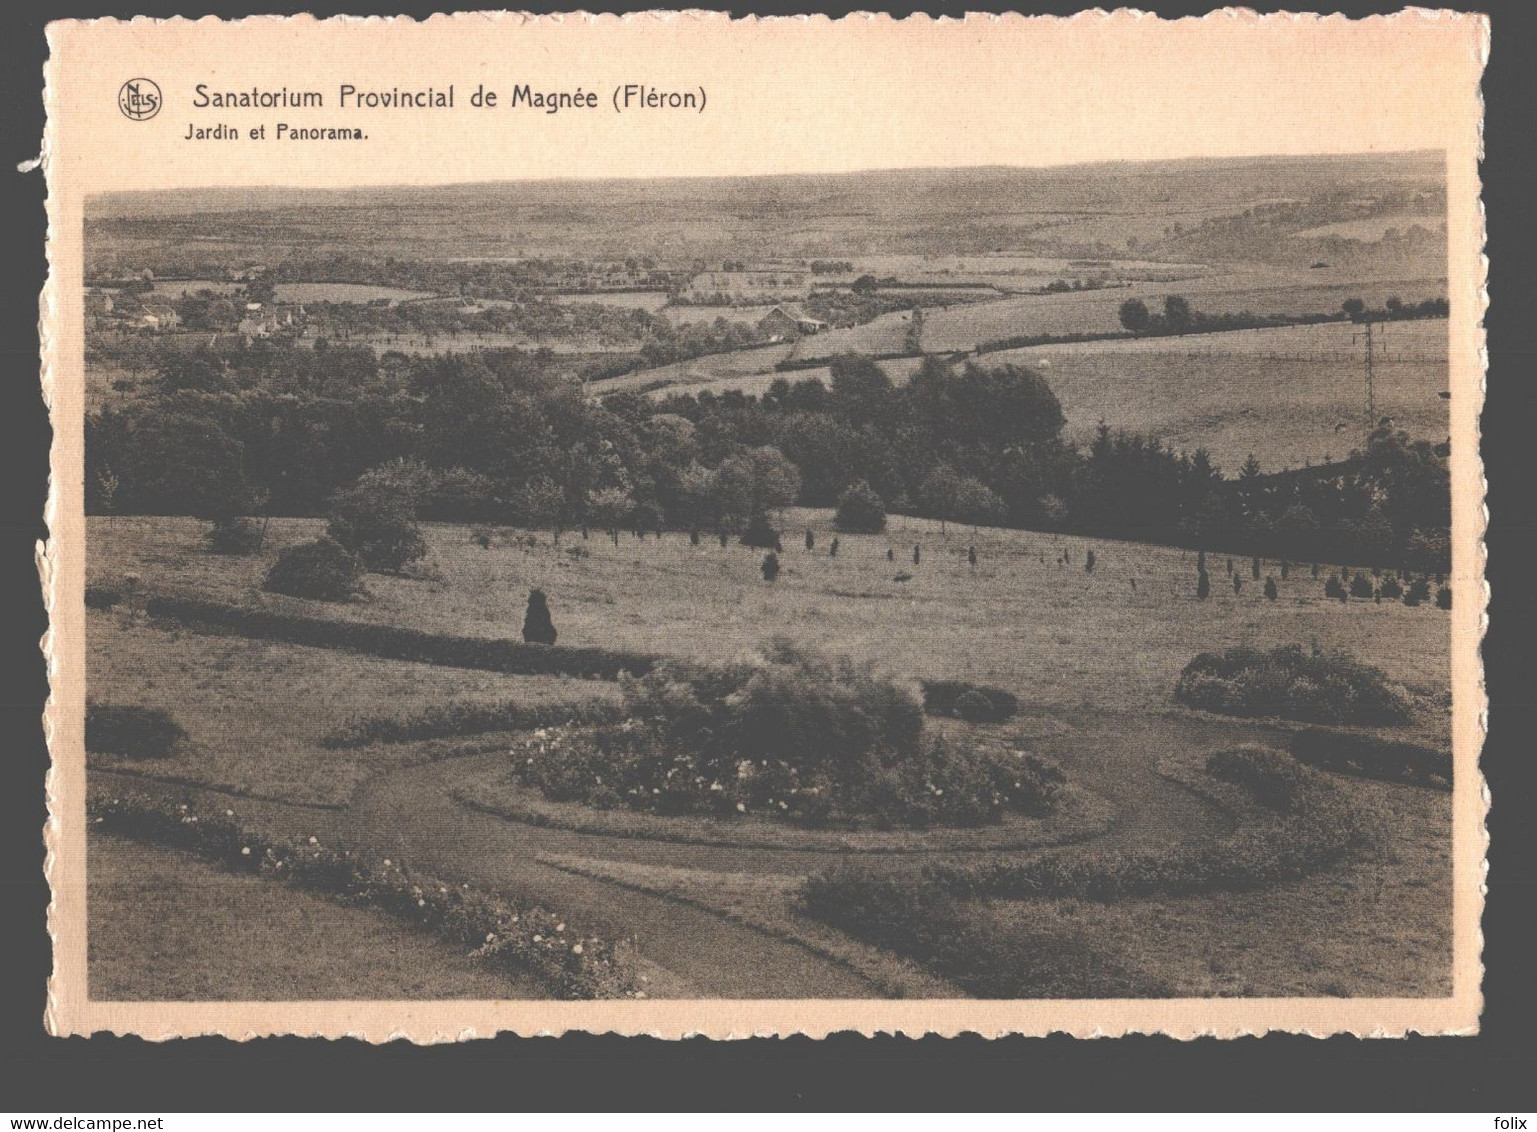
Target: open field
(1050,633)
(624,300)
(165,926)
(1097,312)
(697,371)
(343,293)
(695,313)
(1370,230)
(1288,395)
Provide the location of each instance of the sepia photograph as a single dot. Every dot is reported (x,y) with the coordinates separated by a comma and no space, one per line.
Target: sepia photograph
(1040,568)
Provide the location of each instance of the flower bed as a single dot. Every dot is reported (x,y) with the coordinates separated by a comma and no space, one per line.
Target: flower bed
(789,735)
(521,938)
(1288,683)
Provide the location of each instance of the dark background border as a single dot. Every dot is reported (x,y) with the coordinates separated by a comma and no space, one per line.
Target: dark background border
(1489,1073)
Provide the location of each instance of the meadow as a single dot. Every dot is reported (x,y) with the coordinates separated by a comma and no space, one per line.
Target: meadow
(1053,634)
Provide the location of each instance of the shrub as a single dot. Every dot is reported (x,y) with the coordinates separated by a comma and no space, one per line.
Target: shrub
(377,525)
(1271,593)
(1291,684)
(1390,588)
(760,533)
(860,510)
(1202,585)
(396,643)
(517,936)
(130,731)
(102,597)
(1333,587)
(770,566)
(234,536)
(323,570)
(1371,755)
(943,697)
(1274,778)
(538,627)
(1418,592)
(1361,586)
(1444,598)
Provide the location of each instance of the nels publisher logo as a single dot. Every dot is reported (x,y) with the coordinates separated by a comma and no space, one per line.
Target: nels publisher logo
(139,99)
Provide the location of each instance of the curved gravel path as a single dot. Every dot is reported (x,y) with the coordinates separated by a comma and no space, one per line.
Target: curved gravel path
(694,952)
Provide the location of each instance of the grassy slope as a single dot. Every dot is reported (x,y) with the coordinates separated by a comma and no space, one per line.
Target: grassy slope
(255,711)
(1054,635)
(255,939)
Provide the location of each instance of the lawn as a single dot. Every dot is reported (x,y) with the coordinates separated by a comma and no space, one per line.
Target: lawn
(1054,635)
(1378,925)
(164,926)
(256,711)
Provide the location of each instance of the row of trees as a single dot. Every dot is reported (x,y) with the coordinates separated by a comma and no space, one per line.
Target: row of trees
(498,437)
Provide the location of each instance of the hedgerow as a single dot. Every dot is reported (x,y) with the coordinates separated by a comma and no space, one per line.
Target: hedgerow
(511,935)
(398,643)
(1291,684)
(1354,753)
(943,697)
(449,720)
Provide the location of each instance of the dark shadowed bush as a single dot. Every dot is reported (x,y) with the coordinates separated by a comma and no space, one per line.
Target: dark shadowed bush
(860,510)
(760,533)
(379,526)
(943,697)
(102,597)
(130,731)
(234,536)
(1335,588)
(1289,683)
(1361,586)
(1390,588)
(396,643)
(1371,755)
(323,570)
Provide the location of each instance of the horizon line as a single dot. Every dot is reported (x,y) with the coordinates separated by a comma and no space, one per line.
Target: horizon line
(866,171)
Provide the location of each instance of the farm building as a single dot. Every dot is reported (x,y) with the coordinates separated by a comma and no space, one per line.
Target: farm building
(786,320)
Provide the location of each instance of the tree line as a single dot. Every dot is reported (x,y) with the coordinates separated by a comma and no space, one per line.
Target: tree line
(502,437)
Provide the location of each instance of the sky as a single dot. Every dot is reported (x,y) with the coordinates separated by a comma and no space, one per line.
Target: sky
(783,96)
